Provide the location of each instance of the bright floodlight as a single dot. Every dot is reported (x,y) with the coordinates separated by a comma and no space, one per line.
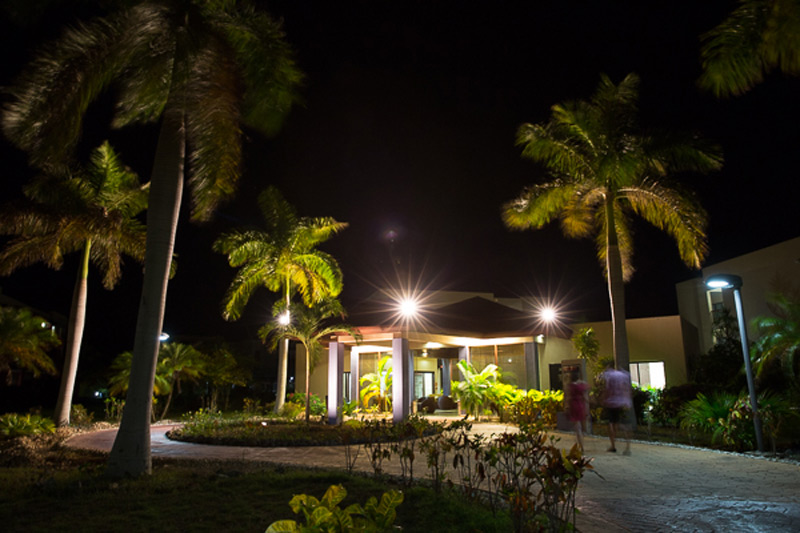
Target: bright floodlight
(164,336)
(284,319)
(724,281)
(408,307)
(548,314)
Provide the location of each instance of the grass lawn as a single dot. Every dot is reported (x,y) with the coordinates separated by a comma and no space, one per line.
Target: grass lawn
(64,490)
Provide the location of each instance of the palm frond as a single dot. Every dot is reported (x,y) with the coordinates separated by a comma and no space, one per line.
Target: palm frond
(268,65)
(676,213)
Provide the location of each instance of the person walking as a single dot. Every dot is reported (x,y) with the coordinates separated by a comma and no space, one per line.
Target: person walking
(618,403)
(577,405)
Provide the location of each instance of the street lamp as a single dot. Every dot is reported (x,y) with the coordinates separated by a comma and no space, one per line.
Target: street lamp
(730,281)
(284,319)
(163,337)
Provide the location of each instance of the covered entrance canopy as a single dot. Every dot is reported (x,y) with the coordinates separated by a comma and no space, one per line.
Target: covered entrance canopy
(475,329)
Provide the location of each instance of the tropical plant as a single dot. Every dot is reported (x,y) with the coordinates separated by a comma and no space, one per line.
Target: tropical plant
(606,168)
(283,258)
(25,340)
(758,37)
(308,326)
(475,390)
(222,372)
(325,514)
(779,336)
(202,68)
(707,414)
(15,425)
(378,385)
(92,210)
(179,362)
(119,380)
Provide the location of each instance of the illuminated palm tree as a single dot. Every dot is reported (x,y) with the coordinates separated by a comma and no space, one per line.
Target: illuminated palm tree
(203,69)
(308,325)
(283,258)
(758,37)
(24,342)
(92,211)
(606,168)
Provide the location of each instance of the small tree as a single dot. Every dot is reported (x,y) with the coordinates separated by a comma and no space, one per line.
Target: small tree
(378,385)
(475,391)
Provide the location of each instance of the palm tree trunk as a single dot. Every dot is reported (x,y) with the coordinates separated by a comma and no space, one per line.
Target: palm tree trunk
(283,364)
(169,400)
(77,319)
(616,290)
(130,454)
(308,377)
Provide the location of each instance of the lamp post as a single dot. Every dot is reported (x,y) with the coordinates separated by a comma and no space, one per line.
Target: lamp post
(730,281)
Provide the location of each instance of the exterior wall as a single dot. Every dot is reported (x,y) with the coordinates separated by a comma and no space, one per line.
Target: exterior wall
(319,376)
(552,350)
(649,339)
(761,271)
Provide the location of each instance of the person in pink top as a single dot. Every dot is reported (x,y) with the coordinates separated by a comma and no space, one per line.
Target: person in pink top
(618,403)
(577,405)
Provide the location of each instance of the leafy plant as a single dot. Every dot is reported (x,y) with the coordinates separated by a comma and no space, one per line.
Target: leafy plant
(707,414)
(378,385)
(475,391)
(325,514)
(15,425)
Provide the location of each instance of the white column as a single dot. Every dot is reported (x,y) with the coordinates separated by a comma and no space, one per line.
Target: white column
(355,370)
(401,399)
(335,374)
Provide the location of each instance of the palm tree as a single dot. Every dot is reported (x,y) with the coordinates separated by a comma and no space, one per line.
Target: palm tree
(179,362)
(92,211)
(24,342)
(779,336)
(120,376)
(222,371)
(282,258)
(606,168)
(758,37)
(308,326)
(203,69)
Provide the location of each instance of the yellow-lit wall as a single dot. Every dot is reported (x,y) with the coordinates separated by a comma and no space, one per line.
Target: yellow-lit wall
(649,339)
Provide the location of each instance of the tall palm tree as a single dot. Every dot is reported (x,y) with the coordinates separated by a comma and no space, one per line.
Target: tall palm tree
(24,342)
(309,326)
(283,258)
(92,211)
(606,168)
(758,37)
(201,67)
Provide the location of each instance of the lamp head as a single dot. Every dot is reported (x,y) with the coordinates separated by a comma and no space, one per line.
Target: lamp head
(724,281)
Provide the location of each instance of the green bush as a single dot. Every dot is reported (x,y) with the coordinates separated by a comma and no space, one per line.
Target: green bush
(318,407)
(325,515)
(13,425)
(669,402)
(79,416)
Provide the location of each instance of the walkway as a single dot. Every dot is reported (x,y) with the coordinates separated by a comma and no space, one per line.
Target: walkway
(656,489)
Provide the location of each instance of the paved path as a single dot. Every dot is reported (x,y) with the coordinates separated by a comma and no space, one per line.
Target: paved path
(655,489)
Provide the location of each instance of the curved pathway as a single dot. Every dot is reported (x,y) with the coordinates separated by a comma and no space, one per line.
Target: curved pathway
(655,489)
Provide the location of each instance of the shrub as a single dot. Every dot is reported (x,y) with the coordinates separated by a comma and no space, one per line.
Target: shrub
(79,416)
(317,404)
(325,515)
(14,425)
(668,403)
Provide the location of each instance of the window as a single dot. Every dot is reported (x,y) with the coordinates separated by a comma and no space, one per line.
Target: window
(423,384)
(649,374)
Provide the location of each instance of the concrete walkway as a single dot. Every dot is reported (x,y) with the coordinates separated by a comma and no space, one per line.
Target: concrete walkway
(655,489)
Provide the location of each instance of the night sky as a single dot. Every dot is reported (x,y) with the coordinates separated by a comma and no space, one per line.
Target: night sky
(406,131)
